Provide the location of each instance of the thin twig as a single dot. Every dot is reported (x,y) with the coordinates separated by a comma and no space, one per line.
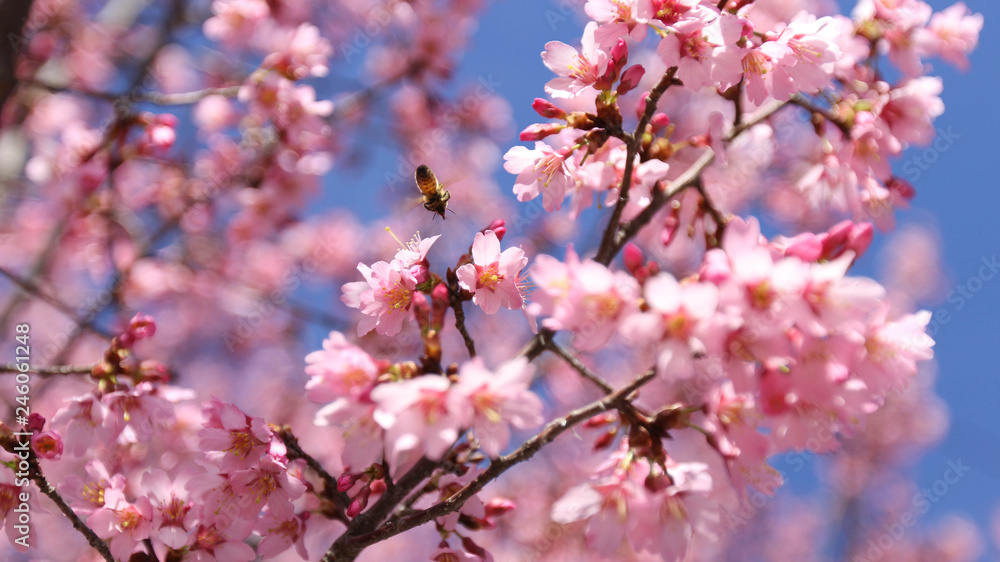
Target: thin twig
(369,520)
(347,547)
(49,371)
(632,144)
(187,98)
(47,489)
(34,289)
(805,103)
(455,302)
(686,180)
(330,490)
(579,366)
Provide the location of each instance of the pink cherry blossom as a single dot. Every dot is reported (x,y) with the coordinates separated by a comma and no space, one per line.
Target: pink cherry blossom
(173,516)
(494,400)
(956,31)
(339,369)
(385,297)
(418,417)
(703,47)
(281,534)
(541,171)
(122,523)
(233,439)
(493,277)
(619,18)
(577,70)
(587,299)
(269,483)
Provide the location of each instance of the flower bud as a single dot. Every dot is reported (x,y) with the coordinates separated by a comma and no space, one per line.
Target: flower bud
(539,131)
(632,256)
(359,503)
(141,326)
(346,481)
(35,422)
(547,109)
(630,79)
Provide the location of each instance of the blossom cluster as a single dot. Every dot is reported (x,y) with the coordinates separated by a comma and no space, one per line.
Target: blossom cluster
(681,367)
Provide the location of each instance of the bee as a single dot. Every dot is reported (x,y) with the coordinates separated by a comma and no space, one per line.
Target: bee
(435,195)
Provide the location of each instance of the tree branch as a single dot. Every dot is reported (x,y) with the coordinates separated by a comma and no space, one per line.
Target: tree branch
(295,451)
(632,144)
(685,180)
(805,103)
(47,489)
(346,548)
(48,371)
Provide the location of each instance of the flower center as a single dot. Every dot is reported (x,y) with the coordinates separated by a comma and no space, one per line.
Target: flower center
(242,443)
(128,518)
(582,69)
(398,296)
(624,11)
(490,277)
(757,63)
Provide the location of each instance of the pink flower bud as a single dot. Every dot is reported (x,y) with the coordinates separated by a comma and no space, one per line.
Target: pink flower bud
(632,256)
(806,246)
(378,486)
(346,481)
(474,549)
(860,238)
(659,122)
(47,444)
(359,503)
(547,109)
(640,105)
(142,326)
(499,506)
(619,54)
(901,187)
(496,226)
(35,422)
(422,311)
(151,370)
(539,131)
(630,79)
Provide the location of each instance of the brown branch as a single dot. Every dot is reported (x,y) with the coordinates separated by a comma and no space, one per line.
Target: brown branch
(48,371)
(13,17)
(187,98)
(632,144)
(572,360)
(295,451)
(455,302)
(369,520)
(687,179)
(34,289)
(803,102)
(717,217)
(347,547)
(47,489)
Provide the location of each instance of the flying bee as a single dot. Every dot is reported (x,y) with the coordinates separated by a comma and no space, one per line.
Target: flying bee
(435,195)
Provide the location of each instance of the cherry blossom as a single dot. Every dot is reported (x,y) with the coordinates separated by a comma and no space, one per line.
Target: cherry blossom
(493,276)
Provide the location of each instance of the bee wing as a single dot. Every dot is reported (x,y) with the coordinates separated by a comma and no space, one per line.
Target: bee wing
(408,204)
